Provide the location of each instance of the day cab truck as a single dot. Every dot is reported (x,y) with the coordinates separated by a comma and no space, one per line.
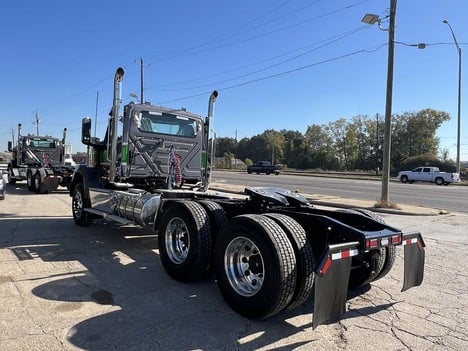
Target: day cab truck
(40,160)
(428,174)
(263,167)
(269,249)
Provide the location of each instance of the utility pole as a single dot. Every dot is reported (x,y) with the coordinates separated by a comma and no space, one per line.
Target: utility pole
(371,19)
(141,80)
(95,114)
(235,154)
(388,108)
(377,166)
(459,50)
(13,136)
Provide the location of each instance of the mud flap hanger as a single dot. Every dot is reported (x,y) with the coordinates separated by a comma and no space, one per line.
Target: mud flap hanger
(331,282)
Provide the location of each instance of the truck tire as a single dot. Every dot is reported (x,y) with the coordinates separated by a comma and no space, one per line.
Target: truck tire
(217,215)
(371,262)
(39,186)
(184,240)
(11,178)
(39,182)
(439,181)
(404,179)
(30,180)
(304,258)
(79,203)
(255,266)
(390,251)
(390,255)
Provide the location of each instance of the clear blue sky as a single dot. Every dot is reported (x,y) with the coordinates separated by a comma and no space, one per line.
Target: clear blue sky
(276,63)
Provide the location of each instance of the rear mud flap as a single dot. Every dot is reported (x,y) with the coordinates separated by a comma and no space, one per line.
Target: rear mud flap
(414,260)
(331,282)
(49,182)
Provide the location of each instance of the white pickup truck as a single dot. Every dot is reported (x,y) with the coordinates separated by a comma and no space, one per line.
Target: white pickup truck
(428,174)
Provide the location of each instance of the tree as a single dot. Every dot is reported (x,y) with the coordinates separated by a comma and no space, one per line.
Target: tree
(224,145)
(294,148)
(414,133)
(275,143)
(320,146)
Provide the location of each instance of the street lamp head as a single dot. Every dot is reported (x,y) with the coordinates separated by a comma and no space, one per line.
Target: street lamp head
(370,18)
(445,21)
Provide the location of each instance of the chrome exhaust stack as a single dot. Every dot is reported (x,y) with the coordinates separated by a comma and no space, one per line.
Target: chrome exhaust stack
(208,150)
(113,124)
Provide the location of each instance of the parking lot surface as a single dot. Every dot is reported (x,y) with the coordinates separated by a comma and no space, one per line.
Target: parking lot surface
(102,287)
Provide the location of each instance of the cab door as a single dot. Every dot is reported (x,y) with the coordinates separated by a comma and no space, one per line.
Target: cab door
(426,174)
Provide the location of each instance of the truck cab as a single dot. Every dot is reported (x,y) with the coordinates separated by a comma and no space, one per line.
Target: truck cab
(150,147)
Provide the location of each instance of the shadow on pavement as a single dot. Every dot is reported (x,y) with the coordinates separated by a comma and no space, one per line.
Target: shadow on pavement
(105,285)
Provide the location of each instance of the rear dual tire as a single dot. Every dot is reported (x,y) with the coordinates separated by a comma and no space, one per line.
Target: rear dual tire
(377,263)
(255,266)
(184,240)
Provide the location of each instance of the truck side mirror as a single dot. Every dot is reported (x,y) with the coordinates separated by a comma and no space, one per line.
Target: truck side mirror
(10,146)
(86,131)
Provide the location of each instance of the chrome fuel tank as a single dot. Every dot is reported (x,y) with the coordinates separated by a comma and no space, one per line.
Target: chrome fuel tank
(136,206)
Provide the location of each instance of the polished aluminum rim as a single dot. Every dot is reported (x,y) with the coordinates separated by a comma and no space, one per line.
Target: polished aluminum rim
(177,240)
(245,269)
(77,204)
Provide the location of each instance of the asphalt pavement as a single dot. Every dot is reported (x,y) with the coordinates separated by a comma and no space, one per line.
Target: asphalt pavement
(103,287)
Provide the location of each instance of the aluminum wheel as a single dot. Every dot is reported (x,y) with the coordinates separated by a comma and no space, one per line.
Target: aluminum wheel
(177,240)
(184,240)
(79,203)
(244,266)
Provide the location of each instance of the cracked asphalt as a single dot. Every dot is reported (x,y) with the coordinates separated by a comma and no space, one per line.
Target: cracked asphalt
(65,287)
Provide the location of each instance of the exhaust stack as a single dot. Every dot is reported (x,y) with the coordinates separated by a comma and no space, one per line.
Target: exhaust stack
(113,124)
(208,157)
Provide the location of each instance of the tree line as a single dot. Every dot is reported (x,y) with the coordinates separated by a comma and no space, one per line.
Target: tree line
(346,145)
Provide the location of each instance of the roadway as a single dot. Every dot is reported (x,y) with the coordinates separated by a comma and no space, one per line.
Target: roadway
(450,198)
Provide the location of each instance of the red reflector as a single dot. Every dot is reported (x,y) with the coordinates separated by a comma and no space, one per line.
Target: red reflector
(396,239)
(372,243)
(420,247)
(345,254)
(326,265)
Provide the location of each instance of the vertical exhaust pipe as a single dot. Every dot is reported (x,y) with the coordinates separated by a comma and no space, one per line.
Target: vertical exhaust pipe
(63,151)
(208,157)
(113,124)
(18,151)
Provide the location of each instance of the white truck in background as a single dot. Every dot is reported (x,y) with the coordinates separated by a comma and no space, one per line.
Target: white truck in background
(428,174)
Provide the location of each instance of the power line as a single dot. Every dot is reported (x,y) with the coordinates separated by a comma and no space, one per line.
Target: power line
(324,42)
(206,47)
(281,73)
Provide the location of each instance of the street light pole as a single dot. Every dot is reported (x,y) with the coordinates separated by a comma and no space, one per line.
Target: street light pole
(372,19)
(459,93)
(388,108)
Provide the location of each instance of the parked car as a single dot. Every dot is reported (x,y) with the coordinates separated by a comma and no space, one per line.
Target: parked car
(2,186)
(428,174)
(263,167)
